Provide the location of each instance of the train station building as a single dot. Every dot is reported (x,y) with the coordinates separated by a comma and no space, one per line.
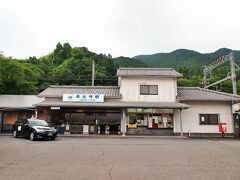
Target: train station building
(147,101)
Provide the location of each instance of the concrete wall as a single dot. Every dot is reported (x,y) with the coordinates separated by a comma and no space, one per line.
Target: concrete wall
(191,121)
(150,131)
(130,89)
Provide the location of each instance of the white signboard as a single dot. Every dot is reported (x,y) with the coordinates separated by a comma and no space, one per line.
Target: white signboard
(83,97)
(85,129)
(150,122)
(55,108)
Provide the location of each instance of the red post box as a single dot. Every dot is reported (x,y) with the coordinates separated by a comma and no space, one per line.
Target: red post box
(222,127)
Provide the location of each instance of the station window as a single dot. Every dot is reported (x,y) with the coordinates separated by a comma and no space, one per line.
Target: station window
(132,120)
(138,119)
(148,90)
(160,121)
(209,119)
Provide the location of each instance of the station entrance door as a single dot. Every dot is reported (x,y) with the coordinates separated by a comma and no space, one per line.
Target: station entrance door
(93,122)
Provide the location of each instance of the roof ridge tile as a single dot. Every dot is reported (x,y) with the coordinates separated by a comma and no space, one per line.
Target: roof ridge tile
(124,68)
(218,92)
(201,94)
(86,87)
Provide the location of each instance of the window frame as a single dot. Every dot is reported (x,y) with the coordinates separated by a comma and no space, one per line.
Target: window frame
(148,89)
(207,120)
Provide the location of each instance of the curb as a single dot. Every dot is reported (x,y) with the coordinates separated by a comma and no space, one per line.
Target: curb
(119,136)
(133,136)
(106,136)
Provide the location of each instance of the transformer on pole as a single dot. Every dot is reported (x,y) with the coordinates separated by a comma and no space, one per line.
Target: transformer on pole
(221,60)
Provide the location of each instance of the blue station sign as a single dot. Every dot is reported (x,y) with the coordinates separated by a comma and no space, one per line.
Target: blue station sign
(83,97)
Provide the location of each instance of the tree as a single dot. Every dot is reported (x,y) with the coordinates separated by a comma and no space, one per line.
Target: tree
(73,66)
(18,77)
(61,53)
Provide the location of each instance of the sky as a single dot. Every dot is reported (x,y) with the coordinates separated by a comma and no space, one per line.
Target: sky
(118,27)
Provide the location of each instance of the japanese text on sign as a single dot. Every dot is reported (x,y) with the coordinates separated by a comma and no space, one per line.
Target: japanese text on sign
(83,97)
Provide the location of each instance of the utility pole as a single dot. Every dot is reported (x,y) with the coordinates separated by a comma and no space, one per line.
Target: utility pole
(205,74)
(233,74)
(93,72)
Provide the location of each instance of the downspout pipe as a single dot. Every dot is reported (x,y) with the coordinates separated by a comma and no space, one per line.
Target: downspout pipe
(181,129)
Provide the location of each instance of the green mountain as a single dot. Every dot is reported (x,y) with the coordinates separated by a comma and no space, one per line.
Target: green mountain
(67,65)
(184,58)
(128,62)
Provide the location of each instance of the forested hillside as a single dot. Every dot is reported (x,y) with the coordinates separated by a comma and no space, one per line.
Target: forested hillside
(64,66)
(128,62)
(68,65)
(184,58)
(190,64)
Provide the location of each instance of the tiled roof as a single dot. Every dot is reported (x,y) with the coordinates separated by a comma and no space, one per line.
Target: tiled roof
(184,93)
(163,72)
(116,104)
(200,94)
(58,91)
(18,101)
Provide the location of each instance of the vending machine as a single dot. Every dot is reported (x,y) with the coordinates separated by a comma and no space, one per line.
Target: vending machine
(236,117)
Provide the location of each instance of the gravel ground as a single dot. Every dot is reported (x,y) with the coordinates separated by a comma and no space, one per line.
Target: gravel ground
(106,158)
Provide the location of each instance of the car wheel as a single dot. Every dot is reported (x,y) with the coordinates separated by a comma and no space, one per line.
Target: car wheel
(53,138)
(32,136)
(15,135)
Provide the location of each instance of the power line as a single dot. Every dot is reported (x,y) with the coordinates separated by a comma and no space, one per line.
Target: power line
(79,78)
(207,71)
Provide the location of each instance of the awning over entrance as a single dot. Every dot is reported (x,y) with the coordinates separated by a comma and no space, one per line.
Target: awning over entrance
(18,102)
(119,104)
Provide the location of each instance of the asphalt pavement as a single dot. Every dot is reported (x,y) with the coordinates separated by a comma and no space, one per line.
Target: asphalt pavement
(119,158)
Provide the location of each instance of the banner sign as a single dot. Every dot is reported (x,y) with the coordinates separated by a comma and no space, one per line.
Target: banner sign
(83,97)
(132,126)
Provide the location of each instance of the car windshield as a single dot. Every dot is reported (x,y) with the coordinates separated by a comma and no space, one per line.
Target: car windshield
(38,123)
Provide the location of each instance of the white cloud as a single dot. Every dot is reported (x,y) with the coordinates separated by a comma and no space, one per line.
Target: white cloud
(126,27)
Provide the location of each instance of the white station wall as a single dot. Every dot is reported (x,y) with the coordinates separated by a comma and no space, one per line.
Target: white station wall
(130,89)
(191,121)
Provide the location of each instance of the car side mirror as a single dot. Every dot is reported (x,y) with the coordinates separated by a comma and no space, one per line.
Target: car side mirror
(26,125)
